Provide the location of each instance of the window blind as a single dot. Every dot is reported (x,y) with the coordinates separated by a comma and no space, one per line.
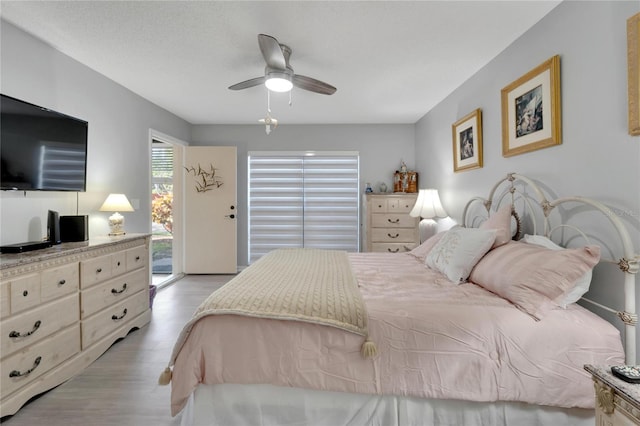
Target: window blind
(302,200)
(161,162)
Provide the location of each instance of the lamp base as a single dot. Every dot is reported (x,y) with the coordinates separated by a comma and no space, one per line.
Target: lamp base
(116,224)
(427,229)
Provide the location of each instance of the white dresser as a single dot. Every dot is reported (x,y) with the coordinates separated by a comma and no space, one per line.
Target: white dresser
(64,306)
(388,226)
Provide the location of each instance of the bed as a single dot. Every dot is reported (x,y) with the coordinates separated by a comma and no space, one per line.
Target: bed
(448,334)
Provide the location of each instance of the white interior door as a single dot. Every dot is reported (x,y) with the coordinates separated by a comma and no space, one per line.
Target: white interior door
(210,215)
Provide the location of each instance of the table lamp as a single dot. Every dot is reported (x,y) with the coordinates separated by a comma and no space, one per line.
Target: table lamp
(116,203)
(427,207)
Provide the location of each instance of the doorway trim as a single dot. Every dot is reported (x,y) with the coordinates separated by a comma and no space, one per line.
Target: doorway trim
(177,258)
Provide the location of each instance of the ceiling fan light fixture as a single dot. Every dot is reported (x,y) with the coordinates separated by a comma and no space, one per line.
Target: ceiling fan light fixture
(279,82)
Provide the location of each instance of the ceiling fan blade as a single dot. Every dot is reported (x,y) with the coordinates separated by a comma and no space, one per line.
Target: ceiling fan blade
(272,52)
(248,83)
(313,85)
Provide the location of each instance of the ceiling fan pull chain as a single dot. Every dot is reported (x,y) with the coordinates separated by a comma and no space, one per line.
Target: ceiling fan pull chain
(290,97)
(269,101)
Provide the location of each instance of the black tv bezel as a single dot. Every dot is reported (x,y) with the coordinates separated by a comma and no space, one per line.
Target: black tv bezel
(86,147)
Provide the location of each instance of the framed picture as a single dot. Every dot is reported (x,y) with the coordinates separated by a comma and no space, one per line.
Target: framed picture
(531,110)
(467,142)
(633,61)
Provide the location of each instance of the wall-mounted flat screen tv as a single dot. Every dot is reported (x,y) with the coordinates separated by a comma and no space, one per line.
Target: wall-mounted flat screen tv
(41,149)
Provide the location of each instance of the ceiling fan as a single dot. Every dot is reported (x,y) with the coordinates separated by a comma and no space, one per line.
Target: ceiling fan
(278,74)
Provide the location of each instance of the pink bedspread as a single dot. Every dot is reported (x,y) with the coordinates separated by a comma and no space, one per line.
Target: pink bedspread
(435,339)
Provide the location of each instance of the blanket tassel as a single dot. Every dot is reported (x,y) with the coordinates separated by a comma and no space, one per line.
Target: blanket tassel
(165,377)
(368,349)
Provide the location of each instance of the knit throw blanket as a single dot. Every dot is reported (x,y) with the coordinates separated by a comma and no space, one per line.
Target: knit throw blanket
(310,285)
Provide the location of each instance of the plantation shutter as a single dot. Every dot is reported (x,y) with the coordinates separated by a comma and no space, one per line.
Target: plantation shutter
(303,200)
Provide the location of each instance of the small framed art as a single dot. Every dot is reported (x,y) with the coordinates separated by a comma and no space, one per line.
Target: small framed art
(531,110)
(633,61)
(467,142)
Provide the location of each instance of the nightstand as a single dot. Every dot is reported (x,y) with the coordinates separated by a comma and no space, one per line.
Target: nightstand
(617,402)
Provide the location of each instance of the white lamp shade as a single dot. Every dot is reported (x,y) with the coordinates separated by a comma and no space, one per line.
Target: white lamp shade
(428,205)
(116,203)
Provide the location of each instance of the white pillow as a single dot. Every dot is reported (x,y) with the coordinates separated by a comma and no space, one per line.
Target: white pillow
(581,285)
(459,250)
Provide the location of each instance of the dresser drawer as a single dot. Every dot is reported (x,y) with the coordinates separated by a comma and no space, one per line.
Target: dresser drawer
(137,257)
(24,292)
(93,271)
(118,263)
(393,235)
(109,319)
(392,204)
(401,205)
(393,221)
(5,299)
(393,247)
(116,289)
(26,366)
(57,282)
(37,324)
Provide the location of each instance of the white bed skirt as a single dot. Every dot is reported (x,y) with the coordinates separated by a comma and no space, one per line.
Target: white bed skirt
(266,405)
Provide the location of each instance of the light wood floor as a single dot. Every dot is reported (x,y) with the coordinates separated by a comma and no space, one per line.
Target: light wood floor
(121,387)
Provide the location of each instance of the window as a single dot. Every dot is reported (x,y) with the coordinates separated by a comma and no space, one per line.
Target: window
(161,208)
(303,200)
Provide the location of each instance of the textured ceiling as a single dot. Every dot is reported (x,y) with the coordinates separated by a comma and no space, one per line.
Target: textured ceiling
(392,61)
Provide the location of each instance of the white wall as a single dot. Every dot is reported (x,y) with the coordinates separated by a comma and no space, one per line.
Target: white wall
(381,147)
(119,123)
(597,157)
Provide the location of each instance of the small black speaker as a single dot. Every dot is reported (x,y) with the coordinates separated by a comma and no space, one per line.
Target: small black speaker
(74,228)
(53,227)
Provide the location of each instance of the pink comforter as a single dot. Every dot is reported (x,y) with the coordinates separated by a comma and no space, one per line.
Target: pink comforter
(435,339)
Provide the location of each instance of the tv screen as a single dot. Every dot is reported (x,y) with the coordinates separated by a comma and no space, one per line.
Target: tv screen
(41,149)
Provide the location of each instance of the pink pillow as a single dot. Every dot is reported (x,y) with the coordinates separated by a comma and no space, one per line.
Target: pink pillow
(501,222)
(532,277)
(422,251)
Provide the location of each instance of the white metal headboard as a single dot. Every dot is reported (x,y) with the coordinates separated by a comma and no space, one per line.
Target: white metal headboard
(530,206)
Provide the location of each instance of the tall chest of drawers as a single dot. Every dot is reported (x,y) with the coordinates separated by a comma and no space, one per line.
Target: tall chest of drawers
(62,307)
(389,228)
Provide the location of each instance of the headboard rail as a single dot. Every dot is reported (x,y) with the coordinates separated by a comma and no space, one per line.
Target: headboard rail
(532,209)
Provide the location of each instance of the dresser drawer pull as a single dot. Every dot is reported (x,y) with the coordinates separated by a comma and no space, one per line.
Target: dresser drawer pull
(393,221)
(16,373)
(117,318)
(62,282)
(118,264)
(137,258)
(25,293)
(98,270)
(393,236)
(16,334)
(393,251)
(124,287)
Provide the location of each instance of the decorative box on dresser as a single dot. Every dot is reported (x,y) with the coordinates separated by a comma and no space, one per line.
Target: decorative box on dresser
(389,228)
(617,402)
(64,306)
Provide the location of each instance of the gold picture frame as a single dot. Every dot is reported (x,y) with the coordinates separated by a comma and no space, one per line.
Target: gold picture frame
(531,118)
(467,142)
(633,64)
